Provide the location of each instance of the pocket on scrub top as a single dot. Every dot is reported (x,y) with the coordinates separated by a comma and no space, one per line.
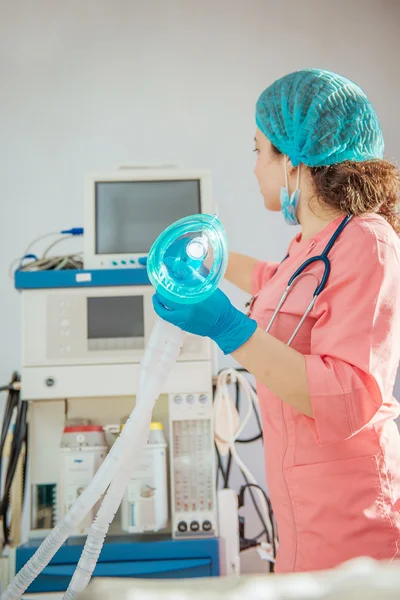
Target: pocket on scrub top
(341,511)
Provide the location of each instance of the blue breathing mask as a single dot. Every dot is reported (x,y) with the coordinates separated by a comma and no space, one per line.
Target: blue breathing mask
(188,260)
(289,202)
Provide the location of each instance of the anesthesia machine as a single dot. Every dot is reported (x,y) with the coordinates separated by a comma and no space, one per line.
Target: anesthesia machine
(84,336)
(93,350)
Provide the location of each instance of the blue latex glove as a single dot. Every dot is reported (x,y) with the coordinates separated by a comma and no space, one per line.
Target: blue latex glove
(215,318)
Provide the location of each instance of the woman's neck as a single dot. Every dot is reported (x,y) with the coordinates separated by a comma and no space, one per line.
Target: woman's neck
(312,213)
(314,221)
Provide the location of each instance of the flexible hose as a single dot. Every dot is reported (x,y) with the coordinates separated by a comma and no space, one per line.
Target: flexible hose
(153,369)
(106,513)
(64,528)
(162,351)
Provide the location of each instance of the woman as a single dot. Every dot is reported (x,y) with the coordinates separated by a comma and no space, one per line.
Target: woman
(332,449)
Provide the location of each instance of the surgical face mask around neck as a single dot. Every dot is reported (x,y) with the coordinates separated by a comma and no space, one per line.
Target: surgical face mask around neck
(289,202)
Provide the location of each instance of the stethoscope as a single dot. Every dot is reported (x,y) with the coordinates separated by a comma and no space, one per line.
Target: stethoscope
(323,257)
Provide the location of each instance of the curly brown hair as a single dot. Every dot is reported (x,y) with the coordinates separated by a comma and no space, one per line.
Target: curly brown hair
(358,188)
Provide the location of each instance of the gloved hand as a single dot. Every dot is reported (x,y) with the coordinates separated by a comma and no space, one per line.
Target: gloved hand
(215,318)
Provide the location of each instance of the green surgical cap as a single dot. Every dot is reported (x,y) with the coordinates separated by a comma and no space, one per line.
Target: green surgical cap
(319,118)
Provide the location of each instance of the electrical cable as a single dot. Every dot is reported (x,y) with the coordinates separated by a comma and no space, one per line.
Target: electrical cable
(225,473)
(72,232)
(259,436)
(45,263)
(55,243)
(39,239)
(10,386)
(248,486)
(18,442)
(222,395)
(11,404)
(264,531)
(15,415)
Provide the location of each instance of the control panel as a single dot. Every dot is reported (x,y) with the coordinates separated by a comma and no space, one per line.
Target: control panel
(104,325)
(193,500)
(79,326)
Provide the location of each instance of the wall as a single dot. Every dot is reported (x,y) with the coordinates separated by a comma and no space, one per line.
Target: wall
(90,85)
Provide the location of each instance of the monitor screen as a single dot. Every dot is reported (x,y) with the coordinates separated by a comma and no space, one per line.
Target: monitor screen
(115,317)
(130,215)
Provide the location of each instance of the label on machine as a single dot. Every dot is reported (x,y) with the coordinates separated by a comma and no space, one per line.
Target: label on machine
(145,504)
(83,449)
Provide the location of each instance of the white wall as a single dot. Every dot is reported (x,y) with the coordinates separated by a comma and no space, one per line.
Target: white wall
(88,85)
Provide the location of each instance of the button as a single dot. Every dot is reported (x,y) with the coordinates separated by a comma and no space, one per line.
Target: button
(114,263)
(190,399)
(50,382)
(132,262)
(123,262)
(207,526)
(182,527)
(142,260)
(203,399)
(178,399)
(64,323)
(194,526)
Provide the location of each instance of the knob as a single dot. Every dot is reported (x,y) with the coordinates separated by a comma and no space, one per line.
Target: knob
(194,526)
(207,526)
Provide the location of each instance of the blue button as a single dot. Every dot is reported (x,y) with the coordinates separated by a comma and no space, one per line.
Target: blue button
(123,262)
(132,261)
(142,260)
(114,263)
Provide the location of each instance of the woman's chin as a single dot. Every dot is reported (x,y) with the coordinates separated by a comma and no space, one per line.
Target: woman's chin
(272,205)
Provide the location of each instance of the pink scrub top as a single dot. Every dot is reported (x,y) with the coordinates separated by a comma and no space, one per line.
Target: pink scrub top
(334,480)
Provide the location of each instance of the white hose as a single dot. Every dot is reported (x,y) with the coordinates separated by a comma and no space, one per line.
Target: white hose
(99,528)
(72,519)
(156,364)
(161,354)
(223,409)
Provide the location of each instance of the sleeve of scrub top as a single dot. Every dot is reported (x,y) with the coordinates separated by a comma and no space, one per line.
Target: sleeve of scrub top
(262,273)
(355,340)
